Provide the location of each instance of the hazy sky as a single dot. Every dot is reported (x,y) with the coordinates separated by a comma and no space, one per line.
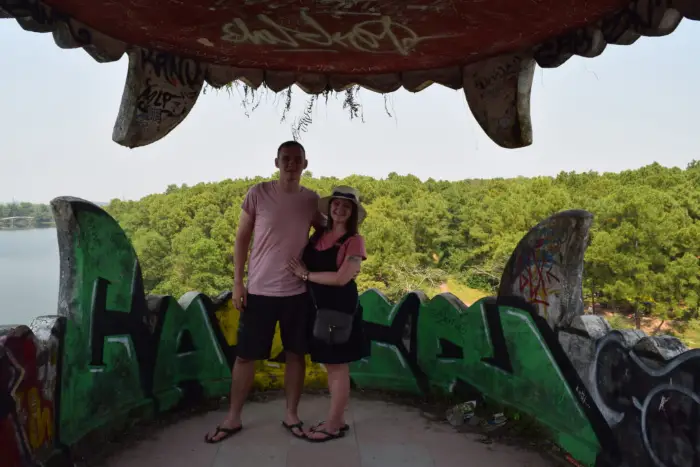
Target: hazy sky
(629,107)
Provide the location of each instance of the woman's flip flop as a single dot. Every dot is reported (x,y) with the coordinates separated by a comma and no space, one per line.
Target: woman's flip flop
(328,436)
(227,431)
(345,427)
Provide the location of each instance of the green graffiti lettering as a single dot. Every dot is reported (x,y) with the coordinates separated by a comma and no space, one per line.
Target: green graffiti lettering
(188,351)
(502,356)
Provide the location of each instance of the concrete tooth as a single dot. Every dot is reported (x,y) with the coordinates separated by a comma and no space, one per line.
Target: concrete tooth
(498,94)
(160,90)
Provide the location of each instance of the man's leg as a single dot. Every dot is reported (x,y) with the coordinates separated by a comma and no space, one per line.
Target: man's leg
(256,328)
(295,337)
(294,374)
(242,377)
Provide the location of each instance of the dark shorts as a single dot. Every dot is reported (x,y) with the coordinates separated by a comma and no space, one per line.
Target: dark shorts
(256,326)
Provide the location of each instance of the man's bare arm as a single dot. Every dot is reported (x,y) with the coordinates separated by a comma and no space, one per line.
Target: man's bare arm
(319,221)
(240,248)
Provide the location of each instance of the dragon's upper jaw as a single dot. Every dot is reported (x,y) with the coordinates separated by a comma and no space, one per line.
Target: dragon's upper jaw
(487,48)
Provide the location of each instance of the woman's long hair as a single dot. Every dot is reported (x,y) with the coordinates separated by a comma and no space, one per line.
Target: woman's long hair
(350,224)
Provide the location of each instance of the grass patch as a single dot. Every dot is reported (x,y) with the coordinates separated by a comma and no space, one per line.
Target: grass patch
(688,332)
(620,322)
(465,293)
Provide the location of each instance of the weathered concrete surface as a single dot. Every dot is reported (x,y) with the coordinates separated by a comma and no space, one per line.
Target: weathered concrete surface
(546,268)
(381,435)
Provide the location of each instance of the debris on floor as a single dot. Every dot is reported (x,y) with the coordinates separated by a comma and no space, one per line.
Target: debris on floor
(461,413)
(495,421)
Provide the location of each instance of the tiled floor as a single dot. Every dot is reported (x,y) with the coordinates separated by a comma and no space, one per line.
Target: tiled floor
(381,435)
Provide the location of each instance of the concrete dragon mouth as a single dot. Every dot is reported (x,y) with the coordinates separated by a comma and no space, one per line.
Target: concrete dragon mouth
(487,49)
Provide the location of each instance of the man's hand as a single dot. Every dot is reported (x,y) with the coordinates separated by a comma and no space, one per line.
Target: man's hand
(240,296)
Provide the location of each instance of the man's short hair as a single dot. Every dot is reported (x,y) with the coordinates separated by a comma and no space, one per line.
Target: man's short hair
(291,144)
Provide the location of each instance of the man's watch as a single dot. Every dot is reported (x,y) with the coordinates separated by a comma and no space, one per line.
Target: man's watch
(305,276)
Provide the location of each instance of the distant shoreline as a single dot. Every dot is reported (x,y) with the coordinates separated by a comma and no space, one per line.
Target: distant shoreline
(32,227)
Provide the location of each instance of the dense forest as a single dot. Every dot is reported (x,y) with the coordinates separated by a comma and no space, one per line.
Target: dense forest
(644,254)
(40,214)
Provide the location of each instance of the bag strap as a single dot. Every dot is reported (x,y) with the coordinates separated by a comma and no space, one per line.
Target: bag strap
(341,241)
(311,294)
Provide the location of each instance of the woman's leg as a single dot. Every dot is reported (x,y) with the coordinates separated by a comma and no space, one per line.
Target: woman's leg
(339,387)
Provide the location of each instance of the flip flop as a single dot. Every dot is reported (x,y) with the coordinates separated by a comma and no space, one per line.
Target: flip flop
(299,426)
(345,427)
(228,431)
(329,436)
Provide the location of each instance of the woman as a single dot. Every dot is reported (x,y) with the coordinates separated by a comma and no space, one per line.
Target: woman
(330,263)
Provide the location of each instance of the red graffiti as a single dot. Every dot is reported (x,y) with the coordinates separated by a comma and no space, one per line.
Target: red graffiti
(537,281)
(27,376)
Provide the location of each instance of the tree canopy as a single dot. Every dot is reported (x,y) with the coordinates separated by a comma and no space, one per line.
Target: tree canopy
(644,251)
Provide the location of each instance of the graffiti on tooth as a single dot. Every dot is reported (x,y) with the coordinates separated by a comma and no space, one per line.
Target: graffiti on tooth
(546,268)
(161,89)
(174,69)
(380,35)
(157,102)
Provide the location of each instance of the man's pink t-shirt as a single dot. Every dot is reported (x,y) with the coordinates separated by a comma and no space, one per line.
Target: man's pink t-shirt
(353,246)
(281,231)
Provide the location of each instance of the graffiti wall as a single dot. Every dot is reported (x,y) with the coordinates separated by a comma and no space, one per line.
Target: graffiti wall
(115,355)
(29,359)
(495,348)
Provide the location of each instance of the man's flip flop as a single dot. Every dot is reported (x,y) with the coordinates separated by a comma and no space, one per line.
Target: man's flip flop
(328,436)
(299,426)
(227,431)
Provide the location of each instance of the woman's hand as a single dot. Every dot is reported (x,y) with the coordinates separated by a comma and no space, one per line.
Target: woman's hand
(297,268)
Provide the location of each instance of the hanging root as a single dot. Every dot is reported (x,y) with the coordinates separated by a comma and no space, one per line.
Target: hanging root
(251,98)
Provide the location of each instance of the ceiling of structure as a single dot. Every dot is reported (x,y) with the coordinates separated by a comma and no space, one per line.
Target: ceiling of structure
(489,48)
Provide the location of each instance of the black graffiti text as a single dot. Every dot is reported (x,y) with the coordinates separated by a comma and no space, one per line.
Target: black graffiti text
(174,69)
(155,96)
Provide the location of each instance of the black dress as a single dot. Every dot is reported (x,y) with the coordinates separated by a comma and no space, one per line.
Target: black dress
(341,298)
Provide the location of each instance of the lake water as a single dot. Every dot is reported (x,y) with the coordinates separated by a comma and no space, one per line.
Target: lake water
(29,272)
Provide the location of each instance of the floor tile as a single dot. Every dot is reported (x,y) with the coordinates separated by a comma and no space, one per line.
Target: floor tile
(331,453)
(382,435)
(394,455)
(253,455)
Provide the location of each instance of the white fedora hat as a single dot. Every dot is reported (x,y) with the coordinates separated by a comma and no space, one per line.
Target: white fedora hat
(343,192)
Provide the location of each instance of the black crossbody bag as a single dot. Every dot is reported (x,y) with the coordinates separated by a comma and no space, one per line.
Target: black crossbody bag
(332,326)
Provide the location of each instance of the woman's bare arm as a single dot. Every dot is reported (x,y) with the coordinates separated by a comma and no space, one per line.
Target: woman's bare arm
(347,272)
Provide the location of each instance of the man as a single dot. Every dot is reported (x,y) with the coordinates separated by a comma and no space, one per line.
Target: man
(278,215)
